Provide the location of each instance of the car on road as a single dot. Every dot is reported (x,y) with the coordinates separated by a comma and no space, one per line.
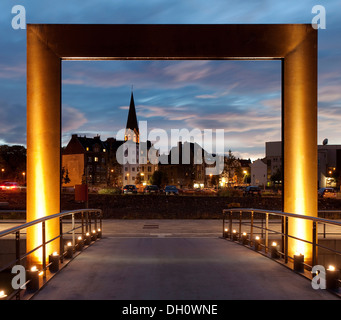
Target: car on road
(171,190)
(130,189)
(152,189)
(9,186)
(252,191)
(327,193)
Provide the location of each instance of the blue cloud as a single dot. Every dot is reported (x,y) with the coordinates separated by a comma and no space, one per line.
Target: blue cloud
(244,97)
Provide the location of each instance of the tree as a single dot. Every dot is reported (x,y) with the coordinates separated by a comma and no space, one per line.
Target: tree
(276,178)
(13,161)
(65,176)
(138,179)
(159,178)
(230,166)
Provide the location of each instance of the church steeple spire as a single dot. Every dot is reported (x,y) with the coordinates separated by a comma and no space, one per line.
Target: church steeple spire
(132,127)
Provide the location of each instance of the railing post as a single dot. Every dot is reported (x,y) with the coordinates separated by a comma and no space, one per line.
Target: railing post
(286,240)
(231,224)
(95,214)
(240,224)
(82,217)
(100,220)
(61,244)
(224,213)
(73,229)
(17,247)
(251,231)
(314,253)
(44,248)
(324,226)
(266,232)
(87,221)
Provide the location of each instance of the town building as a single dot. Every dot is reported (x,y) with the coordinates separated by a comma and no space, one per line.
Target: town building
(273,159)
(259,171)
(183,167)
(329,165)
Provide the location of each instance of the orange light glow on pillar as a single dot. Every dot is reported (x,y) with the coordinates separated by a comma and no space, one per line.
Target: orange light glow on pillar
(300,140)
(43,142)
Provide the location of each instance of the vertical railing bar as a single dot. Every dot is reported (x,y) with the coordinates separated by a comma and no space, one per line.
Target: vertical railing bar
(240,223)
(95,214)
(282,234)
(314,262)
(251,231)
(266,232)
(82,219)
(17,257)
(17,247)
(324,226)
(61,242)
(286,239)
(44,248)
(73,229)
(87,221)
(100,220)
(231,224)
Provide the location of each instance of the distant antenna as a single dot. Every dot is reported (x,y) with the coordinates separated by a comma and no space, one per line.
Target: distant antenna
(132,88)
(325,142)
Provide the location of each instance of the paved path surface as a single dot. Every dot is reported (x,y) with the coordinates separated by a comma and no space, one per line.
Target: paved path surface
(156,260)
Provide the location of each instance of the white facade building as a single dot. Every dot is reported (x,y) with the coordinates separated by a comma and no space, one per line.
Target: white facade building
(258,173)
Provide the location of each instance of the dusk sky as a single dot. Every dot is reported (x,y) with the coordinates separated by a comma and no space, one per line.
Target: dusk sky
(241,97)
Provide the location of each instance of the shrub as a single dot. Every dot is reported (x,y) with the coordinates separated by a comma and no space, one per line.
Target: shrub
(109,191)
(229,192)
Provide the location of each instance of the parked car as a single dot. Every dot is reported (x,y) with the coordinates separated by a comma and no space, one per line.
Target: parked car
(171,190)
(152,189)
(130,189)
(252,191)
(9,186)
(327,193)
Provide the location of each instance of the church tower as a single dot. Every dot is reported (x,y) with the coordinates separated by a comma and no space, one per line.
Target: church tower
(132,128)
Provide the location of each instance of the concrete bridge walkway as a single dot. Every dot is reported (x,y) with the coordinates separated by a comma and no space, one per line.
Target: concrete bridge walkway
(146,261)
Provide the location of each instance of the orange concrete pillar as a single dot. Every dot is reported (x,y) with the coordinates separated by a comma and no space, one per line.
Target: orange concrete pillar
(43,141)
(299,117)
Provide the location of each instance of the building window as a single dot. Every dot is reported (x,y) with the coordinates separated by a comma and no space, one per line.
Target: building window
(96,159)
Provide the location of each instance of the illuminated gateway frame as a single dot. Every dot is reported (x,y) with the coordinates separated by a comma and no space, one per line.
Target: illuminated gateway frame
(294,45)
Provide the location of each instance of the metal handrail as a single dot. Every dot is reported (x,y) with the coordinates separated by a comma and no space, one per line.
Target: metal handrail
(40,220)
(85,226)
(284,233)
